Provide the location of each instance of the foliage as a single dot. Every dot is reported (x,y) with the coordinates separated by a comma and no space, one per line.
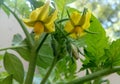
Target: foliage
(56,53)
(107,12)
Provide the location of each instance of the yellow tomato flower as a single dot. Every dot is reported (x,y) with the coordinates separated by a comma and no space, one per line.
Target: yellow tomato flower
(41,21)
(78,23)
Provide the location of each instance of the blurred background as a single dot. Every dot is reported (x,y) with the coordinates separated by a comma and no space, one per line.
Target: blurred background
(107,11)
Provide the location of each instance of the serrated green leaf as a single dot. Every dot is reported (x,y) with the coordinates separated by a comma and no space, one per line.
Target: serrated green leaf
(14,66)
(7,80)
(113,53)
(96,43)
(66,69)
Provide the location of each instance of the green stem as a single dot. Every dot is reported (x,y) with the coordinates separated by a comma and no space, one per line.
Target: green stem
(29,38)
(62,20)
(41,42)
(12,47)
(49,71)
(31,69)
(32,62)
(95,75)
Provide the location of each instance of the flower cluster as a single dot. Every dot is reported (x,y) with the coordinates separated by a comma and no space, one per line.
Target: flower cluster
(78,23)
(41,21)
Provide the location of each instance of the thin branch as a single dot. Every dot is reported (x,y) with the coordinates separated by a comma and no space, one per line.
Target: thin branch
(95,75)
(49,71)
(12,47)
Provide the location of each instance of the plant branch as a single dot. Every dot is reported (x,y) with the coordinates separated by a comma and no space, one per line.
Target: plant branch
(12,47)
(32,62)
(49,71)
(31,69)
(95,75)
(53,45)
(41,42)
(29,38)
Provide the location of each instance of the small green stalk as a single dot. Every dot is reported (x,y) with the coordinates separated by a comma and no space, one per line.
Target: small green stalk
(95,75)
(49,71)
(12,47)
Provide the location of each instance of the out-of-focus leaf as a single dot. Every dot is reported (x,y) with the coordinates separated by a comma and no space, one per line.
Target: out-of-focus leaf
(14,66)
(45,55)
(65,69)
(1,2)
(62,3)
(23,8)
(36,4)
(24,52)
(7,80)
(17,39)
(3,75)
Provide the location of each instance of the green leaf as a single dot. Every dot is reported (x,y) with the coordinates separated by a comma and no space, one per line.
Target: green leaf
(62,3)
(45,56)
(23,51)
(17,39)
(36,4)
(14,66)
(65,68)
(96,43)
(113,54)
(7,80)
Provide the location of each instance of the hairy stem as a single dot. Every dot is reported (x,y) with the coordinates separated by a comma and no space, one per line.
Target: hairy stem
(95,75)
(31,69)
(32,62)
